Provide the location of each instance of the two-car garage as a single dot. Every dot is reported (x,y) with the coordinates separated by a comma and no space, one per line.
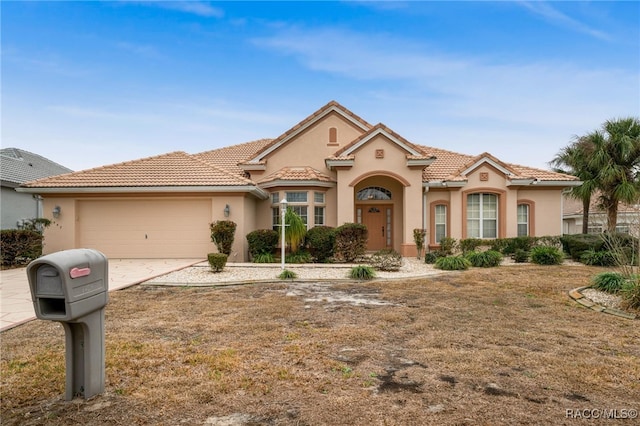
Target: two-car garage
(146,228)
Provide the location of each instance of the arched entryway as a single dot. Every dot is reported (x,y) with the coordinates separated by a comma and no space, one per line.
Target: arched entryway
(378,202)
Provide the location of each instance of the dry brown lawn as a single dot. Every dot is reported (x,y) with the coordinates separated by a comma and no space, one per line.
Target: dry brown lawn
(496,346)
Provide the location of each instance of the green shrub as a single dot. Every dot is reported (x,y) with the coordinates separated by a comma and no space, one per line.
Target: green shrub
(299,257)
(610,282)
(577,244)
(549,240)
(362,272)
(287,275)
(351,241)
(448,245)
(510,245)
(470,244)
(264,258)
(217,261)
(19,246)
(320,241)
(432,256)
(545,255)
(386,260)
(452,263)
(484,259)
(598,258)
(222,234)
(262,241)
(520,256)
(631,292)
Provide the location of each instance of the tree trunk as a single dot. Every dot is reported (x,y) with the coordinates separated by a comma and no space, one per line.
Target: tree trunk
(586,202)
(612,217)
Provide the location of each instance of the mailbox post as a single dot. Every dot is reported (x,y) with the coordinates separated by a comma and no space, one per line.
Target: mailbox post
(72,287)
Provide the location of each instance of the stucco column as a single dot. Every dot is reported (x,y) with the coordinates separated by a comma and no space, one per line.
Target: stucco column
(412,217)
(345,201)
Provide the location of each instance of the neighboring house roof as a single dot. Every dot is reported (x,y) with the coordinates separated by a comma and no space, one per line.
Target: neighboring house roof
(228,166)
(175,169)
(18,166)
(573,207)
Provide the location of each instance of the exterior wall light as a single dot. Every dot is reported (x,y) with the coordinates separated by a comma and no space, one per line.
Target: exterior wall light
(56,211)
(227,210)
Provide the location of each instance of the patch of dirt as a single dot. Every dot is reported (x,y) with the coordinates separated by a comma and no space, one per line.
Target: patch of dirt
(498,346)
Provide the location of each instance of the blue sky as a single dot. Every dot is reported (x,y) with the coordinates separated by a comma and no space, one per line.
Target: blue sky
(93,83)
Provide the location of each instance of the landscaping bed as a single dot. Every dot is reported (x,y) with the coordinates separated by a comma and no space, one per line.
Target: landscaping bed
(485,346)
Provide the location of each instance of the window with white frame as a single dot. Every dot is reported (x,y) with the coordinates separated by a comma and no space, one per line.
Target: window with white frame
(440,216)
(318,209)
(523,220)
(482,216)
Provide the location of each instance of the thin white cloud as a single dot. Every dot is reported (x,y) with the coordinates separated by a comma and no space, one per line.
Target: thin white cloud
(540,93)
(554,16)
(193,7)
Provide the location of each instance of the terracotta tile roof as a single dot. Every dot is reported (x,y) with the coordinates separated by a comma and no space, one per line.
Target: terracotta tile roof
(449,164)
(229,157)
(378,127)
(573,206)
(309,119)
(174,169)
(298,174)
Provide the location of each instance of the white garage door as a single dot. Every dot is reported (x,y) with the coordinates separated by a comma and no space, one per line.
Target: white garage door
(177,228)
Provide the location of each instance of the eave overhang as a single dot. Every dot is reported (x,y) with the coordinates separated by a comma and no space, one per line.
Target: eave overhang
(254,190)
(339,163)
(444,184)
(298,183)
(420,162)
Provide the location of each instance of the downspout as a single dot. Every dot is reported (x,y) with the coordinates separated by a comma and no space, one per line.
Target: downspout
(424,206)
(562,194)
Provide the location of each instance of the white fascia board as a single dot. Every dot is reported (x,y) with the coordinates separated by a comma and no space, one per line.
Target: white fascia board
(445,184)
(489,161)
(562,183)
(384,133)
(252,167)
(421,162)
(312,183)
(521,182)
(305,127)
(339,163)
(137,189)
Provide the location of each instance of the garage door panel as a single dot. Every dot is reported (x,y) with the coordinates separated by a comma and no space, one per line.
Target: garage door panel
(146,229)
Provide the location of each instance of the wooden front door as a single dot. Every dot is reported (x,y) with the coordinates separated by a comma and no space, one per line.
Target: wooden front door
(378,219)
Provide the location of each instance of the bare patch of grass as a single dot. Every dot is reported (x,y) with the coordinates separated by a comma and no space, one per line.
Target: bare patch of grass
(498,346)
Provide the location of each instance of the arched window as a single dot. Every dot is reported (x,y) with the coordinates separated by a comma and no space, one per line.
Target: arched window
(373,193)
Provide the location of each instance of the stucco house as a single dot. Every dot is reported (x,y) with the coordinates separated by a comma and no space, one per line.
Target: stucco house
(18,166)
(333,167)
(628,217)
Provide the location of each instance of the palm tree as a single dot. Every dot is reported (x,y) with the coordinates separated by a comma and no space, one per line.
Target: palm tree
(295,230)
(616,157)
(574,160)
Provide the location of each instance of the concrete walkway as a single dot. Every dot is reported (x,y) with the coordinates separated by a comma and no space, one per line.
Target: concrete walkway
(16,306)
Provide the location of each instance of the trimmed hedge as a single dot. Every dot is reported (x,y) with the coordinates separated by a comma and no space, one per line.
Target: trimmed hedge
(262,241)
(320,241)
(217,261)
(351,241)
(576,245)
(19,246)
(222,234)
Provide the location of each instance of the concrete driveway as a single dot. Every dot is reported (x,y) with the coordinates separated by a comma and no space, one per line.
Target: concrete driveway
(16,306)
